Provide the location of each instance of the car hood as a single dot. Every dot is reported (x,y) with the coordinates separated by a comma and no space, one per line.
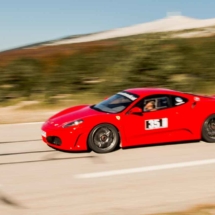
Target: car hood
(82,113)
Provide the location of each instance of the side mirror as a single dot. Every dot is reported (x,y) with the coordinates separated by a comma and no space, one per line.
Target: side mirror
(136,110)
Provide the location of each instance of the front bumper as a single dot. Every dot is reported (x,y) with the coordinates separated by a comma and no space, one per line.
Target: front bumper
(66,139)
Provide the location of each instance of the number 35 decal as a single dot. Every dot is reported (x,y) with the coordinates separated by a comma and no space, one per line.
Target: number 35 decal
(156,123)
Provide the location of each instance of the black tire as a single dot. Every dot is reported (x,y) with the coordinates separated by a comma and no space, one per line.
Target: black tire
(103,138)
(208,129)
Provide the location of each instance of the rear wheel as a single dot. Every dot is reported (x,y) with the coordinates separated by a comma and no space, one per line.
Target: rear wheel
(103,138)
(208,129)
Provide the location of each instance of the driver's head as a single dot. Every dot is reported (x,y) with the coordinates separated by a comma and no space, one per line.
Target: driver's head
(150,105)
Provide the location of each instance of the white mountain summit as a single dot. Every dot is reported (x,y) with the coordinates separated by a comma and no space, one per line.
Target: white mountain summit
(170,23)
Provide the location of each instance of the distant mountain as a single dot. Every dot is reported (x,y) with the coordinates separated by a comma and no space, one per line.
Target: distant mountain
(168,24)
(171,23)
(34,45)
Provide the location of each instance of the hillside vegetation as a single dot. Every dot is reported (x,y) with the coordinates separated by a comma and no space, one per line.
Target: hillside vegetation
(98,69)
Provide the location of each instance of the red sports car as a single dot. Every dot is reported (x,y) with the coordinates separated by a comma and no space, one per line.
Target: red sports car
(132,117)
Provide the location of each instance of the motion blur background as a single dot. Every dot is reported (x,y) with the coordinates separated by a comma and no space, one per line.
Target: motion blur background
(55,55)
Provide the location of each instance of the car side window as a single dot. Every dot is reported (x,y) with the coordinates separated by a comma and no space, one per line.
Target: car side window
(178,100)
(160,102)
(155,103)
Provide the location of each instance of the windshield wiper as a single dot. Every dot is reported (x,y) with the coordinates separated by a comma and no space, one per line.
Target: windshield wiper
(96,108)
(100,110)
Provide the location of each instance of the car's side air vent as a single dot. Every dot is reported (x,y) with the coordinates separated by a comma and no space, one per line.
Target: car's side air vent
(194,104)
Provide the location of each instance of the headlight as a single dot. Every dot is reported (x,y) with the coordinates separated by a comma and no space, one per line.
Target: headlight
(74,123)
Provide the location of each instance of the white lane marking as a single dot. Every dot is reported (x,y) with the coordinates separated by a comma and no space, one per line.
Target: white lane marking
(145,169)
(25,123)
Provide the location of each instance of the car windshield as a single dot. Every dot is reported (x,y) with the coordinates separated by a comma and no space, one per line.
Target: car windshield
(116,103)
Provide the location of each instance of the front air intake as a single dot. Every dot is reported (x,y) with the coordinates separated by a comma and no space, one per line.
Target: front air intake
(54,140)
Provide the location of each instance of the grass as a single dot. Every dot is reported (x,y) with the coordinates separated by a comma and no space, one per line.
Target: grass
(85,73)
(71,100)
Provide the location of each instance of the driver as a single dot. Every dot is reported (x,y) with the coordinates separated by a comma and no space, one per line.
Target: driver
(150,106)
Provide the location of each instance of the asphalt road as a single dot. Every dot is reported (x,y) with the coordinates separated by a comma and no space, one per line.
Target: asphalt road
(37,180)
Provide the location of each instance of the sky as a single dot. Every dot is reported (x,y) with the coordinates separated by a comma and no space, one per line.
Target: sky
(23,22)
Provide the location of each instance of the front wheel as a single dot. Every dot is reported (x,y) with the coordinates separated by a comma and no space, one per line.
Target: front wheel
(103,138)
(208,129)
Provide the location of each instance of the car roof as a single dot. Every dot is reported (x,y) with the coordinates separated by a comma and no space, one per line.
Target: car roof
(148,91)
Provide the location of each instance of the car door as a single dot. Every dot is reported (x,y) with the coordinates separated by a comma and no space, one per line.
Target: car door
(164,124)
(185,117)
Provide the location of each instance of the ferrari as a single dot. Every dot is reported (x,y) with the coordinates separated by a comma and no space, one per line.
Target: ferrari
(132,117)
